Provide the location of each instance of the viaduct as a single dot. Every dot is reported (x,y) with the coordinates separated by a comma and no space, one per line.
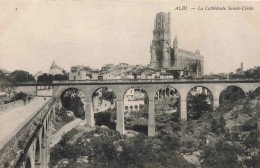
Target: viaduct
(36,132)
(120,87)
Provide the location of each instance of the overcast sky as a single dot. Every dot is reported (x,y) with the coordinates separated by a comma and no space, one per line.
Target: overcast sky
(94,33)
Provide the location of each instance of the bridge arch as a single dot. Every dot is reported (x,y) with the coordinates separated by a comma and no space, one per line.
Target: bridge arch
(166,105)
(208,87)
(197,90)
(28,163)
(237,93)
(46,125)
(103,90)
(61,90)
(159,89)
(104,99)
(71,98)
(137,87)
(243,88)
(256,88)
(43,133)
(37,151)
(136,117)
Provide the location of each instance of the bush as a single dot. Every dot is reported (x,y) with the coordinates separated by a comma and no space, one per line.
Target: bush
(252,140)
(250,125)
(253,162)
(102,118)
(221,155)
(218,126)
(251,94)
(62,115)
(20,96)
(105,118)
(138,128)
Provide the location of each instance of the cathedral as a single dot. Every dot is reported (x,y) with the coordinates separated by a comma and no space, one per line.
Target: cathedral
(170,58)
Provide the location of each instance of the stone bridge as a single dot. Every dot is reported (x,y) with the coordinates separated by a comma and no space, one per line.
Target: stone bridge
(119,87)
(30,146)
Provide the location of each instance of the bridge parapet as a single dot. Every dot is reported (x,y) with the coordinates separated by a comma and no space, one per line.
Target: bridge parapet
(18,145)
(195,80)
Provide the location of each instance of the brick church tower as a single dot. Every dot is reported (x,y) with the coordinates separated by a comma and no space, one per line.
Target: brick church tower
(172,59)
(161,45)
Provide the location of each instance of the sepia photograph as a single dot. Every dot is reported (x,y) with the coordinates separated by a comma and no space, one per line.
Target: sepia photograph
(129,84)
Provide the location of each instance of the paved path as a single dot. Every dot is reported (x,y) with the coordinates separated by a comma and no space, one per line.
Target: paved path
(12,120)
(63,130)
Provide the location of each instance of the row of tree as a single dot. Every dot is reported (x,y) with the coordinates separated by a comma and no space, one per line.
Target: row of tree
(20,76)
(8,82)
(48,78)
(252,73)
(17,76)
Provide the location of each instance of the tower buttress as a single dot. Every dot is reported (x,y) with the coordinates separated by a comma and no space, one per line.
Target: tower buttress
(175,42)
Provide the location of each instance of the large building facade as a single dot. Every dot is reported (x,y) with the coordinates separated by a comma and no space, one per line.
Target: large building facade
(172,58)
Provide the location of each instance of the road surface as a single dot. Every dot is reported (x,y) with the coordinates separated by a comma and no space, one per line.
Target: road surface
(12,120)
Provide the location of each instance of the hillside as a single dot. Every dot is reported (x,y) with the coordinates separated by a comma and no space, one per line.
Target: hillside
(227,137)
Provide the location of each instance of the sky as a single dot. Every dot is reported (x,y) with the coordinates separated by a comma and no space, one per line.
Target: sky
(95,33)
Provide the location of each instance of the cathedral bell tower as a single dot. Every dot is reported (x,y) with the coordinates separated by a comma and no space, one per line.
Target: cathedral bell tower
(161,45)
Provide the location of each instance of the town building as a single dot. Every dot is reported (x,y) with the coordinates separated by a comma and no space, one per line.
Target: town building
(241,69)
(164,56)
(94,74)
(105,68)
(133,99)
(80,72)
(55,69)
(123,65)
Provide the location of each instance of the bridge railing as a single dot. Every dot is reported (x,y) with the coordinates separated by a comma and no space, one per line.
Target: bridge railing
(11,105)
(20,142)
(149,80)
(133,81)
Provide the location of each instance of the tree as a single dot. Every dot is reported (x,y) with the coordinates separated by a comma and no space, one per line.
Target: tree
(197,106)
(20,76)
(108,95)
(218,126)
(232,93)
(6,84)
(60,77)
(45,78)
(253,73)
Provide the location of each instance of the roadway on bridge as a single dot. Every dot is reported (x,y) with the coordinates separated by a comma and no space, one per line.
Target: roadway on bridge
(12,120)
